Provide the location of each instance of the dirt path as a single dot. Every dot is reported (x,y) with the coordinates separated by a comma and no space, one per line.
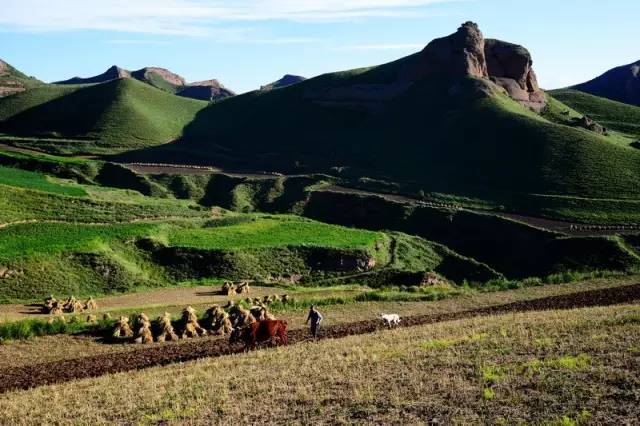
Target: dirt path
(26,377)
(565,227)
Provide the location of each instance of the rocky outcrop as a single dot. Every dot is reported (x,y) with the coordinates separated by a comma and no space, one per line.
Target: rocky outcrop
(620,84)
(13,81)
(285,81)
(460,54)
(162,79)
(510,66)
(209,90)
(466,53)
(589,124)
(148,74)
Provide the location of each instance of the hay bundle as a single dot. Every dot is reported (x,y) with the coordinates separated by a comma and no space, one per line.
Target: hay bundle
(284,299)
(230,304)
(266,299)
(48,304)
(211,317)
(240,317)
(91,319)
(243,288)
(223,326)
(190,326)
(122,328)
(143,334)
(72,305)
(228,289)
(58,318)
(267,315)
(165,329)
(260,313)
(90,304)
(106,316)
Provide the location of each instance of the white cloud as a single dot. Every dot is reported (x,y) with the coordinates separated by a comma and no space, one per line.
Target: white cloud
(189,17)
(382,46)
(134,41)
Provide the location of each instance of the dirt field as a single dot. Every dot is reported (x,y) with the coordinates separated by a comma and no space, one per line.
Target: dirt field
(571,367)
(26,377)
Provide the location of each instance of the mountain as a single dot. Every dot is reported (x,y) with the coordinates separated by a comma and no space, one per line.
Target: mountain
(160,78)
(620,84)
(13,81)
(209,90)
(285,81)
(465,115)
(117,115)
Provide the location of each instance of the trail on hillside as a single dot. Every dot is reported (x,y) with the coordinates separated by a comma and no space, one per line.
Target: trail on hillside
(26,377)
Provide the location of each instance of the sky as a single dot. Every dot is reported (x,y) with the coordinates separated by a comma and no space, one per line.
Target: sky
(248,43)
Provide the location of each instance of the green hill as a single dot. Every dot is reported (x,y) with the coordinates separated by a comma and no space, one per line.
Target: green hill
(614,115)
(466,143)
(13,81)
(110,117)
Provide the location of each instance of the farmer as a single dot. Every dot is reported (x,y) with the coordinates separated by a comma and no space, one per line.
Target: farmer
(315,317)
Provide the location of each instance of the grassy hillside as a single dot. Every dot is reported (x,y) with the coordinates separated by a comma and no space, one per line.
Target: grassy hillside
(611,114)
(114,116)
(466,143)
(13,80)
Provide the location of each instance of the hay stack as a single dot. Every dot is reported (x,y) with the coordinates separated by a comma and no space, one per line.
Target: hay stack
(122,328)
(211,317)
(230,304)
(72,306)
(243,288)
(240,317)
(143,334)
(91,319)
(223,326)
(165,329)
(106,316)
(190,325)
(267,315)
(48,304)
(228,289)
(90,304)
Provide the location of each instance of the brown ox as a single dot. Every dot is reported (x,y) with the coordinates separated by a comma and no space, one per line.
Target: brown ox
(261,332)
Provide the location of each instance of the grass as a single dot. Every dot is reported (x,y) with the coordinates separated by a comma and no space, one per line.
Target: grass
(276,231)
(380,378)
(30,180)
(614,115)
(110,117)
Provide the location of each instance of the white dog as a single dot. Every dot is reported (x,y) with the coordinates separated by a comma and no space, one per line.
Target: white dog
(390,319)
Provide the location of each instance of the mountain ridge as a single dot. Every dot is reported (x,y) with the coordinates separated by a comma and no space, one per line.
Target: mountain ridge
(620,84)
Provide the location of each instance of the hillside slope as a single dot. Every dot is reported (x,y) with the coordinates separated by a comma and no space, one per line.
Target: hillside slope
(620,84)
(615,115)
(13,81)
(420,120)
(117,115)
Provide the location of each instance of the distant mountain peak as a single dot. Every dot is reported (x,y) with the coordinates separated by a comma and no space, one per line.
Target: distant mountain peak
(286,80)
(620,84)
(163,79)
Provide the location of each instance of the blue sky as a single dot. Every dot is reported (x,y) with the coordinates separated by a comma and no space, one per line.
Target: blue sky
(246,43)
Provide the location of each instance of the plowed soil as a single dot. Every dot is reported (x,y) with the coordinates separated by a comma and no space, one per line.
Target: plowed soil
(162,354)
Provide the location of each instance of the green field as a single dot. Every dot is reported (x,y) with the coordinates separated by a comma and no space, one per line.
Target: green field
(24,179)
(274,232)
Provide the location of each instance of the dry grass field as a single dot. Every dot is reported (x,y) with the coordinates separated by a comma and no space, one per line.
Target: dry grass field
(53,348)
(556,367)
